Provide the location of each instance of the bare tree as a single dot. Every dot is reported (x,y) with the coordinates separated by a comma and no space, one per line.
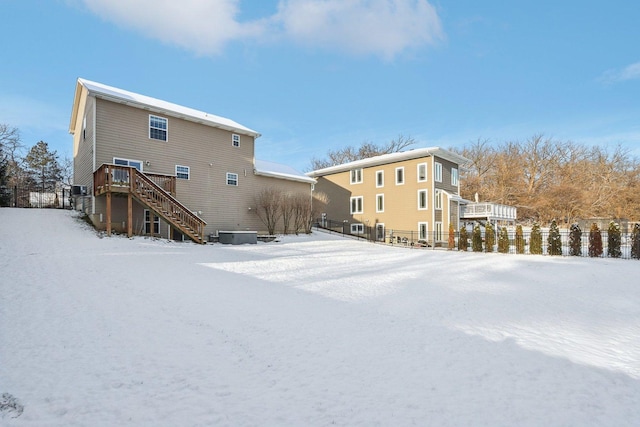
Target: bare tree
(365,150)
(268,202)
(287,211)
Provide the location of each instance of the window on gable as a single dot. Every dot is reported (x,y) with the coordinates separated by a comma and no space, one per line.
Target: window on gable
(422,172)
(422,199)
(454,176)
(379,179)
(400,176)
(235,140)
(356,205)
(437,171)
(356,176)
(157,128)
(232,179)
(379,202)
(183,172)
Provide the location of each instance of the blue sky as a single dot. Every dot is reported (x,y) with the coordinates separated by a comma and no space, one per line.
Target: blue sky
(314,75)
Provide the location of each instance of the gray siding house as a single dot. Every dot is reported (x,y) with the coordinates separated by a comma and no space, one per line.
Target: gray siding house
(153,167)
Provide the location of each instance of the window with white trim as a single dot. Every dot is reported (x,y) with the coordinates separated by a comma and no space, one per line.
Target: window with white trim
(232,179)
(422,199)
(379,179)
(356,176)
(357,228)
(400,176)
(437,172)
(437,231)
(423,230)
(157,128)
(437,200)
(183,172)
(379,203)
(454,176)
(151,222)
(235,140)
(380,233)
(356,204)
(422,172)
(122,175)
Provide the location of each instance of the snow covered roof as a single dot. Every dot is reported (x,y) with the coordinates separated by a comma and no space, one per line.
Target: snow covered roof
(277,170)
(110,93)
(392,158)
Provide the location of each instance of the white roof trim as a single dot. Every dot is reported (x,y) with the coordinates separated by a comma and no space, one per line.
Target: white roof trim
(392,158)
(113,94)
(280,171)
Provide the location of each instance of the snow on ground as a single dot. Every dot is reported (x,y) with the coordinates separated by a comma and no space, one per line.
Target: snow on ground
(309,331)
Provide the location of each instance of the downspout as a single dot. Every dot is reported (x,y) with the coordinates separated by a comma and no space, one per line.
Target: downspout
(95,137)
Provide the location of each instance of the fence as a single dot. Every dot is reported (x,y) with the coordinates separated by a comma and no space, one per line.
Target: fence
(34,197)
(517,245)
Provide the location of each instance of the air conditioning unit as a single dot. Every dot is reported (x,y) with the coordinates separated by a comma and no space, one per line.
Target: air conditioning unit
(79,190)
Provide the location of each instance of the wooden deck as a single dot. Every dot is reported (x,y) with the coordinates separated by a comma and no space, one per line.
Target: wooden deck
(154,191)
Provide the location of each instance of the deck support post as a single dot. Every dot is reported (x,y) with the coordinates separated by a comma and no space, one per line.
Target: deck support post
(109,213)
(129,215)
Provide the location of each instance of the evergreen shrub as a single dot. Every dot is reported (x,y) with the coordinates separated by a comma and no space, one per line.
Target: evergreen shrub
(575,240)
(535,241)
(554,244)
(595,241)
(519,240)
(614,240)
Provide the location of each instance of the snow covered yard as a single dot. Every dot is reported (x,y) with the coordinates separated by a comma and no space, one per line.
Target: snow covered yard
(310,331)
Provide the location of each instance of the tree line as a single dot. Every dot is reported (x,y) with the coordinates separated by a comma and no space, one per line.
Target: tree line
(36,167)
(547,179)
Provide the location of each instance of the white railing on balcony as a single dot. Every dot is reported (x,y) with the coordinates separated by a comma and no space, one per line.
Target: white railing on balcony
(489,211)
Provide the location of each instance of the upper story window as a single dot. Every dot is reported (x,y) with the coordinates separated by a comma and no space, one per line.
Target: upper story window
(379,179)
(379,202)
(157,128)
(235,140)
(422,172)
(437,200)
(232,179)
(454,176)
(356,205)
(422,199)
(356,176)
(183,172)
(437,172)
(399,176)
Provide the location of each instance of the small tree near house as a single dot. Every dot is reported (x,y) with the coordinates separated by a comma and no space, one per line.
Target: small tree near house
(614,240)
(575,240)
(268,202)
(635,242)
(519,240)
(595,241)
(476,239)
(503,241)
(535,240)
(452,237)
(489,237)
(554,244)
(463,240)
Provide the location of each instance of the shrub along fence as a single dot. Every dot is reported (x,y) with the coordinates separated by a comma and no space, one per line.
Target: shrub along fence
(550,241)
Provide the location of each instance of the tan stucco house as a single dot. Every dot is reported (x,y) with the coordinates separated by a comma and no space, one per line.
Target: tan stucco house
(153,167)
(405,197)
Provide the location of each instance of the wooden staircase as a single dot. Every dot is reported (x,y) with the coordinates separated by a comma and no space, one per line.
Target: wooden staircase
(153,192)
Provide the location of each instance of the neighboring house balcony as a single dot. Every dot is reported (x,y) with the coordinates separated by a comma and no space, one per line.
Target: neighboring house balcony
(493,212)
(154,191)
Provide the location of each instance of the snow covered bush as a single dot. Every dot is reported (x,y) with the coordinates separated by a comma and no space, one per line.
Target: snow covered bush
(489,237)
(463,240)
(554,244)
(614,240)
(535,241)
(519,240)
(595,241)
(503,241)
(635,242)
(476,239)
(575,240)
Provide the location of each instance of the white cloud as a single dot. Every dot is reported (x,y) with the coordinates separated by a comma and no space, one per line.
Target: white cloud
(203,26)
(630,72)
(380,27)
